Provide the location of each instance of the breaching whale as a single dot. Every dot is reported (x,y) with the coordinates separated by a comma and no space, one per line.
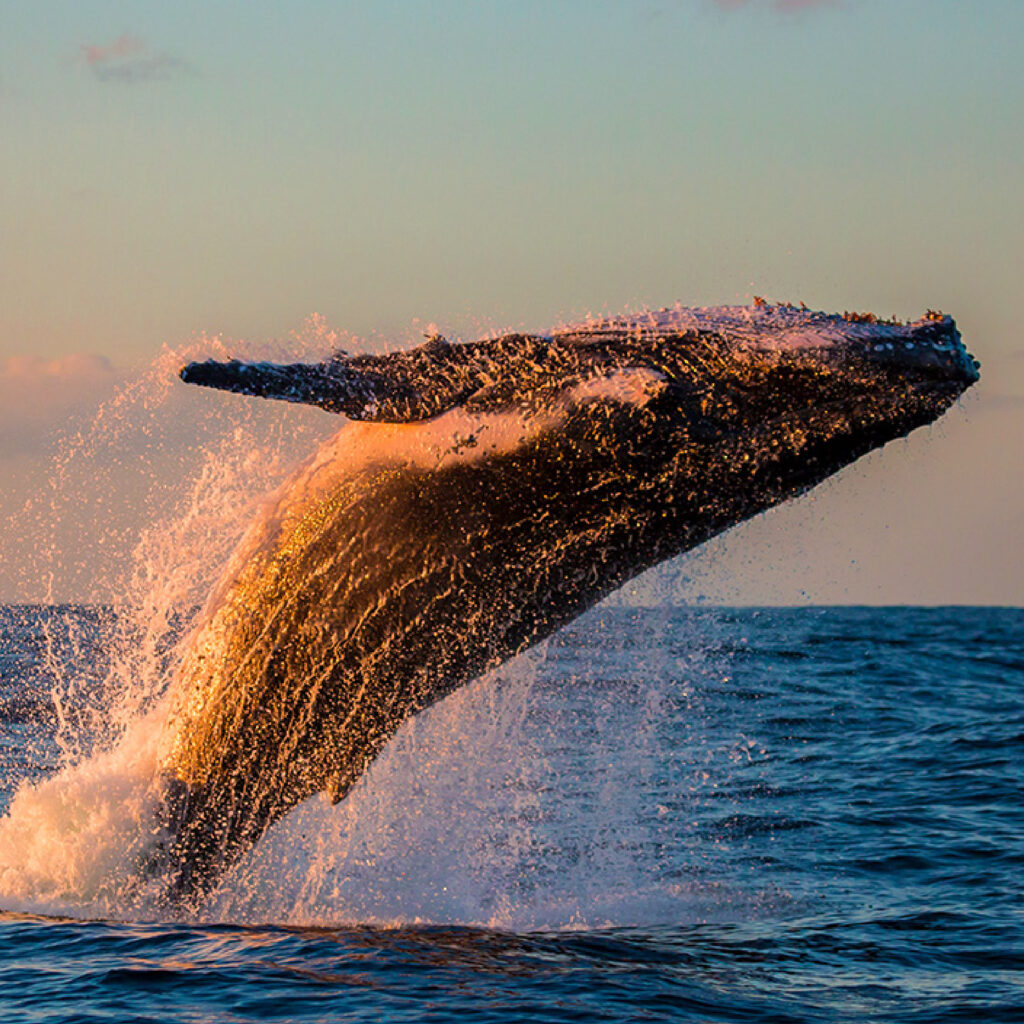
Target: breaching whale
(483,495)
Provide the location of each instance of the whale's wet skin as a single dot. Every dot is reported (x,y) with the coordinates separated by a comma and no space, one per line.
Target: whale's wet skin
(485,495)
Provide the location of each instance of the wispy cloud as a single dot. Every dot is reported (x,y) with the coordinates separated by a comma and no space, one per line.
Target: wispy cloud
(783,6)
(129,59)
(40,396)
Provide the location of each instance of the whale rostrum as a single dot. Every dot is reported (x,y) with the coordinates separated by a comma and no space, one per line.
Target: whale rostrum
(483,495)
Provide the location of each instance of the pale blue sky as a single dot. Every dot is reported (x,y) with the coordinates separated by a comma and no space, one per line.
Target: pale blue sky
(234,167)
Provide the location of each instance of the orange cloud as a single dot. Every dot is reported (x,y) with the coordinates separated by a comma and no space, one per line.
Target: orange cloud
(39,397)
(123,46)
(128,59)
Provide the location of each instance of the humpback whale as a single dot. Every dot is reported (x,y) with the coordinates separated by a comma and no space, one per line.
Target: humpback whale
(480,496)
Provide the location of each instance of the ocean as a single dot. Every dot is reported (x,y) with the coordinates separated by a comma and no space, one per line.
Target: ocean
(662,814)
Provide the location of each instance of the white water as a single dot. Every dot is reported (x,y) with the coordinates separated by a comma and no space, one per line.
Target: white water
(169,485)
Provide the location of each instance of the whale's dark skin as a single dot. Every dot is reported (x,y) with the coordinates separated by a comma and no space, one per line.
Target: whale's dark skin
(493,492)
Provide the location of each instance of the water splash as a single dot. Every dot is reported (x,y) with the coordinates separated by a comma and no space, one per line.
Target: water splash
(559,792)
(143,508)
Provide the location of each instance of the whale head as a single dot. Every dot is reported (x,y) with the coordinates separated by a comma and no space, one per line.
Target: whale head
(758,403)
(753,369)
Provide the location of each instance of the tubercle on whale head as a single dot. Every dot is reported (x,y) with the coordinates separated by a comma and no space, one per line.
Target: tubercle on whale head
(708,338)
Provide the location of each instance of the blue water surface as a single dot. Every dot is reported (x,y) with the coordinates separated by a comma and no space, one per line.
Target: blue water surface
(821,819)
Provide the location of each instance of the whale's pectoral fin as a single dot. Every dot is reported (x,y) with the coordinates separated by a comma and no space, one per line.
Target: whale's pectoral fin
(393,387)
(359,394)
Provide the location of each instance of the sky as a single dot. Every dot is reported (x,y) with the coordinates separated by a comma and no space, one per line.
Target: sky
(178,171)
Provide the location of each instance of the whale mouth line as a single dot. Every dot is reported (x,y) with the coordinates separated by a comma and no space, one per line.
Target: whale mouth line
(929,399)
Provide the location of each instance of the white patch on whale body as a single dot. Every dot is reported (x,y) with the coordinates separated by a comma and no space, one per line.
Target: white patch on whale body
(463,436)
(456,436)
(635,385)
